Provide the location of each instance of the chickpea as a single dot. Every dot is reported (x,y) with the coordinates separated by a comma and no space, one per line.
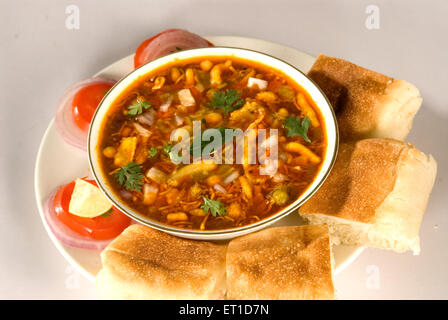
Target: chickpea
(178,216)
(158,83)
(213,118)
(234,211)
(283,112)
(197,212)
(212,180)
(109,152)
(175,74)
(189,77)
(215,74)
(206,65)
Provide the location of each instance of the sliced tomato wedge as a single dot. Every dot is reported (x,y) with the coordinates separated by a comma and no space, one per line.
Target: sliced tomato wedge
(106,226)
(165,42)
(85,102)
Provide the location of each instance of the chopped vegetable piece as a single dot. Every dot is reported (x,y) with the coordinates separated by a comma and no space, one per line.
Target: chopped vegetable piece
(228,100)
(156,175)
(149,193)
(286,93)
(186,98)
(215,207)
(126,151)
(297,128)
(130,176)
(255,82)
(305,107)
(280,196)
(301,149)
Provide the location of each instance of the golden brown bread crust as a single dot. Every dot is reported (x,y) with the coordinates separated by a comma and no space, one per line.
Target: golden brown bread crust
(367,104)
(291,262)
(144,263)
(363,176)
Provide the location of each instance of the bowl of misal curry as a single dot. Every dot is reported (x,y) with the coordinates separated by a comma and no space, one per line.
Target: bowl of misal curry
(212,143)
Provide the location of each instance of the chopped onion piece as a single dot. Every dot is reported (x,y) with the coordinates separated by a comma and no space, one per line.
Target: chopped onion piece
(270,167)
(149,193)
(231,177)
(278,177)
(261,84)
(156,175)
(186,98)
(164,107)
(125,194)
(147,118)
(179,120)
(141,131)
(219,188)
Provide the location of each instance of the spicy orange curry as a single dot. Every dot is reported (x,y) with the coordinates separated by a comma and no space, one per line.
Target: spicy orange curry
(136,151)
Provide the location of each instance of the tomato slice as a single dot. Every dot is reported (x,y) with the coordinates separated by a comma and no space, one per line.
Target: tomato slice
(106,226)
(85,102)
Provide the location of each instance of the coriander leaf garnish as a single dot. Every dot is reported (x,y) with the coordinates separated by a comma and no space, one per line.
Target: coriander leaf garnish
(228,100)
(107,213)
(138,108)
(130,176)
(215,207)
(297,128)
(177,49)
(167,148)
(152,152)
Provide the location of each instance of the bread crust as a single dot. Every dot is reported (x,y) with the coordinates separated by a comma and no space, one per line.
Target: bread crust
(291,262)
(144,263)
(367,104)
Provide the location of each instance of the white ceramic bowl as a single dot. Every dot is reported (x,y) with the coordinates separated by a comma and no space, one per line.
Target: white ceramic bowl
(258,57)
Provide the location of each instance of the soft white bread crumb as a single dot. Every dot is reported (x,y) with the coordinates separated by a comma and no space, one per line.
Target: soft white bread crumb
(375,196)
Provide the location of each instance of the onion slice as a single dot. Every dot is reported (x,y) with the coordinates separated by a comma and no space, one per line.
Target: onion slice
(231,177)
(169,41)
(64,233)
(219,188)
(65,124)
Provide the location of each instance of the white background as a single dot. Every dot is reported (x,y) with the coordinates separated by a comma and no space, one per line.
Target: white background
(40,57)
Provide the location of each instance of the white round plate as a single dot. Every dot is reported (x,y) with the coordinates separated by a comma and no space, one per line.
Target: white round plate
(58,163)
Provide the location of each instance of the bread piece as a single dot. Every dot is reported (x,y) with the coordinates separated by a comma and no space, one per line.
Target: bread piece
(143,263)
(291,262)
(375,196)
(367,104)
